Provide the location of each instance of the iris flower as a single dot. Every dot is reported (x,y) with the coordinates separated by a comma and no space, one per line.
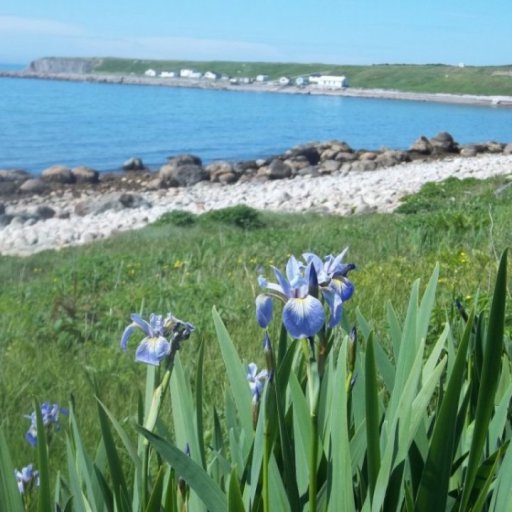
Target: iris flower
(303,314)
(50,416)
(26,478)
(256,380)
(163,337)
(332,282)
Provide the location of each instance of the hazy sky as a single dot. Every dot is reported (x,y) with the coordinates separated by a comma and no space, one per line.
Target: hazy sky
(331,31)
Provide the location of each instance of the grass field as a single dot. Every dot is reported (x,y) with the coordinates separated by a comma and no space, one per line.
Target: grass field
(430,78)
(62,313)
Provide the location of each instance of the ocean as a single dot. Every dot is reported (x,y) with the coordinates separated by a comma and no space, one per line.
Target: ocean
(47,122)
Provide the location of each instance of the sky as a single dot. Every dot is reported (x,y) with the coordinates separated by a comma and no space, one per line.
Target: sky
(473,32)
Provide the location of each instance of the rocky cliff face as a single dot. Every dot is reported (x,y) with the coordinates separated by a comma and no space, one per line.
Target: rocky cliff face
(63,65)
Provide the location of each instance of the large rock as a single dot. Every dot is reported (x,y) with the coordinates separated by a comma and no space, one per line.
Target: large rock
(133,164)
(184,160)
(494,147)
(115,202)
(443,143)
(85,174)
(216,169)
(33,186)
(58,174)
(422,146)
(13,175)
(182,175)
(307,151)
(279,170)
(346,156)
(246,166)
(507,150)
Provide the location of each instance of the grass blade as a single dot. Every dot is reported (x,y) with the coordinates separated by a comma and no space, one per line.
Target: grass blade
(195,476)
(372,416)
(489,380)
(433,489)
(45,500)
(10,498)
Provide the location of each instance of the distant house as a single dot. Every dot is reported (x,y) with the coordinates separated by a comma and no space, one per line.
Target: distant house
(284,80)
(301,81)
(150,72)
(261,78)
(186,73)
(167,74)
(245,80)
(329,81)
(233,81)
(195,74)
(210,75)
(224,77)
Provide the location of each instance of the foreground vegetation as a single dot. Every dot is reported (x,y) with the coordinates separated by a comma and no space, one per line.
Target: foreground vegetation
(428,78)
(63,314)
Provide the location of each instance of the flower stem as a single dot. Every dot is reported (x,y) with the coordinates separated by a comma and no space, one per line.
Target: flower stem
(312,464)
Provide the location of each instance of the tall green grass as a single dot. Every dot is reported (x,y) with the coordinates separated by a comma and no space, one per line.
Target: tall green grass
(62,312)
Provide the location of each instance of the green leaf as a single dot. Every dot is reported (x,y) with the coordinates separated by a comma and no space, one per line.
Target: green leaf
(120,490)
(45,501)
(74,481)
(10,498)
(489,380)
(341,490)
(433,490)
(237,379)
(372,416)
(199,403)
(156,494)
(195,476)
(235,501)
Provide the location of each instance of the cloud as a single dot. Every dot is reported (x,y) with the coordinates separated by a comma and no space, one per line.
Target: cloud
(37,26)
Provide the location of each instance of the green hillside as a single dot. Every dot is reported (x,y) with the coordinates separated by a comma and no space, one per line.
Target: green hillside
(432,78)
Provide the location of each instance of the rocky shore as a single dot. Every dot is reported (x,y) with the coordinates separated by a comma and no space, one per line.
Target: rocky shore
(84,76)
(75,206)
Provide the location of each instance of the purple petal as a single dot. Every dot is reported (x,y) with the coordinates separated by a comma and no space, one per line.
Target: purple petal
(263,310)
(252,369)
(315,260)
(335,304)
(31,437)
(283,282)
(292,269)
(141,323)
(303,317)
(152,350)
(126,334)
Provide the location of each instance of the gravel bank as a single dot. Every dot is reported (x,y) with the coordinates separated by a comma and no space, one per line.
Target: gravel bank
(341,193)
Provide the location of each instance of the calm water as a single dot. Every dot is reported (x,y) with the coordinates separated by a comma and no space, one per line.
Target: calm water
(101,125)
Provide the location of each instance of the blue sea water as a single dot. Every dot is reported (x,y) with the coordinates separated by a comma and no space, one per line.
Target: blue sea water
(46,122)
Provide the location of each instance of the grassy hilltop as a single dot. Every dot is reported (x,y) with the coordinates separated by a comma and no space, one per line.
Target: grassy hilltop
(429,78)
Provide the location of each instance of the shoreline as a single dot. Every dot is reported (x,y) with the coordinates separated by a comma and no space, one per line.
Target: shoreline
(82,218)
(313,90)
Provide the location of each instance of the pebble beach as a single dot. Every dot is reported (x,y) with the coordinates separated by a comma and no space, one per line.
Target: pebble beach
(340,193)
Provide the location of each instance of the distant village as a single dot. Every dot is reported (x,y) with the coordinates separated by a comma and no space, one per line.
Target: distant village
(317,79)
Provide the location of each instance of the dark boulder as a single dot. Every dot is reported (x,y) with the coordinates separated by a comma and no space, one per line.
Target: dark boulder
(182,175)
(184,160)
(443,143)
(133,164)
(279,170)
(58,174)
(85,174)
(422,146)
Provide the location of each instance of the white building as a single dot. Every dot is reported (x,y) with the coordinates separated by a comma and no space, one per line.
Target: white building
(186,73)
(167,74)
(329,81)
(261,78)
(284,80)
(150,72)
(301,80)
(210,75)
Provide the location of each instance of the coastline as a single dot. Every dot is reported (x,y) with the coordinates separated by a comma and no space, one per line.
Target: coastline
(82,218)
(349,92)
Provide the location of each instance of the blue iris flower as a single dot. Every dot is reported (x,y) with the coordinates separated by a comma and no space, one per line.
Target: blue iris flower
(26,479)
(256,381)
(303,314)
(333,282)
(50,416)
(163,337)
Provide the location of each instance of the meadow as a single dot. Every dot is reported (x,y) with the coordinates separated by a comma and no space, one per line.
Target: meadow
(63,313)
